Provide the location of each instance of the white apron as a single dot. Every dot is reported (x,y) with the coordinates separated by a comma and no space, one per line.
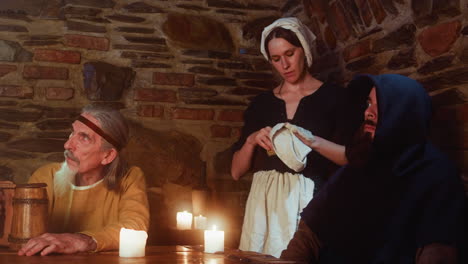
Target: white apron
(273,210)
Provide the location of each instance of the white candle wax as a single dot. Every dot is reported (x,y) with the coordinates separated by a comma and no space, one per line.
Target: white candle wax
(214,240)
(200,222)
(132,243)
(184,220)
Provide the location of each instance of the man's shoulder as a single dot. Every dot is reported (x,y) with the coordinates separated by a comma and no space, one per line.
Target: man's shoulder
(45,171)
(49,168)
(134,173)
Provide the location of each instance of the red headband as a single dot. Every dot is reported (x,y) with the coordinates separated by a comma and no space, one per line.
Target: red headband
(99,131)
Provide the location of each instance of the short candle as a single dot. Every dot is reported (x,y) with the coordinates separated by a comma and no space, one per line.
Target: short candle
(214,240)
(132,243)
(200,222)
(184,220)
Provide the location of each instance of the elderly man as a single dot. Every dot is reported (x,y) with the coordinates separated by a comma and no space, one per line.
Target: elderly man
(399,200)
(93,193)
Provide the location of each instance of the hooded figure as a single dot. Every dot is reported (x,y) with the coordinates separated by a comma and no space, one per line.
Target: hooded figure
(401,201)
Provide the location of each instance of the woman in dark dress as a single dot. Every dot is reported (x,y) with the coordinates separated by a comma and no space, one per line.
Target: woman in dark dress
(278,193)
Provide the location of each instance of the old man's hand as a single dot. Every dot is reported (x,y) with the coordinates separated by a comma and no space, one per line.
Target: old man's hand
(66,243)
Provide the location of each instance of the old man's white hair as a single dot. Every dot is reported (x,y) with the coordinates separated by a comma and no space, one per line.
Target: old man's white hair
(303,33)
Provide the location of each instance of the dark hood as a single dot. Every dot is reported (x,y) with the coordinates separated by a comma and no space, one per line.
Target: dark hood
(406,196)
(403,121)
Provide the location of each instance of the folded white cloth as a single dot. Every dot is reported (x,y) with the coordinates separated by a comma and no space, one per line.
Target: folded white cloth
(289,148)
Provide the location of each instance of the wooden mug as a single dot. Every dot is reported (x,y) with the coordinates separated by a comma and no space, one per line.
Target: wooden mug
(30,211)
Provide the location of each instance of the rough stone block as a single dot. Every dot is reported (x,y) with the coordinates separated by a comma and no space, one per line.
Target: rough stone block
(192,114)
(86,42)
(150,111)
(215,100)
(361,64)
(338,21)
(93,3)
(378,10)
(205,70)
(5,69)
(231,115)
(357,50)
(141,7)
(197,32)
(436,64)
(12,115)
(404,59)
(253,29)
(220,81)
(16,91)
(253,75)
(365,11)
(141,30)
(196,93)
(440,38)
(40,145)
(155,95)
(13,52)
(54,124)
(146,64)
(147,40)
(59,93)
(106,82)
(402,36)
(218,131)
(207,54)
(63,56)
(448,97)
(317,8)
(4,136)
(45,72)
(85,27)
(245,91)
(181,79)
(446,79)
(329,38)
(84,11)
(152,48)
(13,28)
(126,19)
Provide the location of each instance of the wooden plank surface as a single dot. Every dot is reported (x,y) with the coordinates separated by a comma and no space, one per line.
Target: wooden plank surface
(154,254)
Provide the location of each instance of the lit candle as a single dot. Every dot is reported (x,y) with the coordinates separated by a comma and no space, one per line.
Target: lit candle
(214,240)
(184,220)
(200,222)
(132,243)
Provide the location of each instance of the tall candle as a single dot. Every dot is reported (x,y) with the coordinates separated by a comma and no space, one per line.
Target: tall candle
(214,240)
(184,220)
(132,243)
(200,222)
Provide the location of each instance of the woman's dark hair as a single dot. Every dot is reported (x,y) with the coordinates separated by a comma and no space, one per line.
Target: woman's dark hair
(283,33)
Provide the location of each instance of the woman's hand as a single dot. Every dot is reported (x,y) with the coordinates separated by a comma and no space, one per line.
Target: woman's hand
(310,142)
(261,138)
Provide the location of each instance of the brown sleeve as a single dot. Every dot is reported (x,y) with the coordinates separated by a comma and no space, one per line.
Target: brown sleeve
(436,253)
(304,246)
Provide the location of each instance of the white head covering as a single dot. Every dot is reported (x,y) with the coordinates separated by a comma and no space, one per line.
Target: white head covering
(289,148)
(303,33)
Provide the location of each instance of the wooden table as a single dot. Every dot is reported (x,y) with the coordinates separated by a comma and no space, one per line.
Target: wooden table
(154,254)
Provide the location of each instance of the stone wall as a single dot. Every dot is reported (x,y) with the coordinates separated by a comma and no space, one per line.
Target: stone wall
(183,71)
(423,39)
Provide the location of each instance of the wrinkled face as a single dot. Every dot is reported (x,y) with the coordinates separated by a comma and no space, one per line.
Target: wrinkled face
(287,59)
(83,151)
(371,113)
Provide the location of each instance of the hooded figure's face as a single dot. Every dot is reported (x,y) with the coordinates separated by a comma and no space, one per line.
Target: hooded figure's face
(371,114)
